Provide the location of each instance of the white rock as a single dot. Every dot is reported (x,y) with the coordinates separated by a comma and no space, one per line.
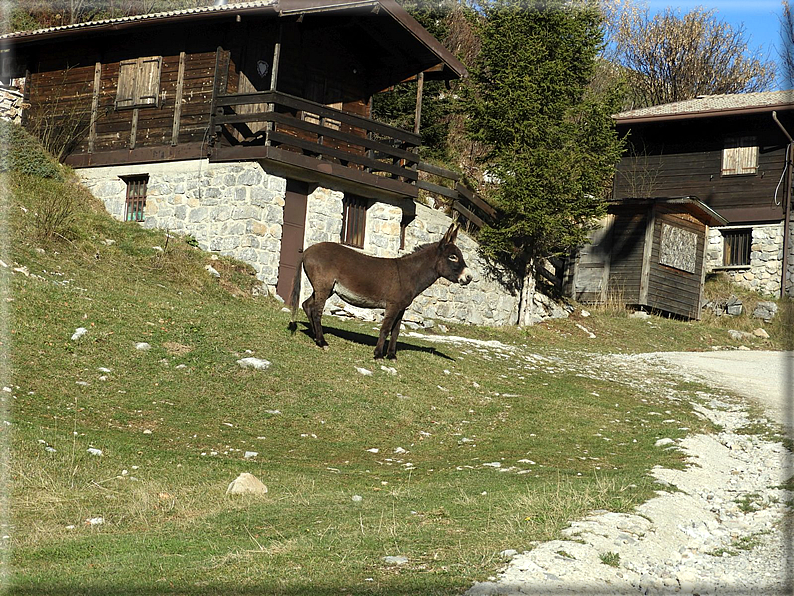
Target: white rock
(396,560)
(357,498)
(255,363)
(212,271)
(250,454)
(78,333)
(95,521)
(246,483)
(374,450)
(363,371)
(143,346)
(388,369)
(95,451)
(147,431)
(664,442)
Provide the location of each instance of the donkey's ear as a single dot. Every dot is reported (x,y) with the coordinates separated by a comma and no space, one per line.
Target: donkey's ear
(451,234)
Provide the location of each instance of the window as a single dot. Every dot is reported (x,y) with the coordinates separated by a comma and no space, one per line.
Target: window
(136,197)
(737,245)
(139,83)
(354,221)
(740,157)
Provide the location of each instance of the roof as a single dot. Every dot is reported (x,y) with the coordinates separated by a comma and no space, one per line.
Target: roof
(712,106)
(255,7)
(693,205)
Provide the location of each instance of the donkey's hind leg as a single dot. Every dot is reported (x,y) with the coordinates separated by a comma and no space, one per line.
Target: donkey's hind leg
(313,307)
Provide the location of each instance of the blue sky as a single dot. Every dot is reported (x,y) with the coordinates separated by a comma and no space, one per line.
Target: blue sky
(761,19)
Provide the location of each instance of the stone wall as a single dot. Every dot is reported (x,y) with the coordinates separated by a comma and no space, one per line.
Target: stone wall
(237,209)
(766,258)
(11,105)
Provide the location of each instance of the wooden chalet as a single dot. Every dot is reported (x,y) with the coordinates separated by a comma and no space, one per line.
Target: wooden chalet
(285,82)
(729,152)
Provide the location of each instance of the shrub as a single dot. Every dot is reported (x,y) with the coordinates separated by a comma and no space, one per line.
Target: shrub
(22,152)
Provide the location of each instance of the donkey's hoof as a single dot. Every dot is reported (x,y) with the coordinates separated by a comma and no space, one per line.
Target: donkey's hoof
(324,348)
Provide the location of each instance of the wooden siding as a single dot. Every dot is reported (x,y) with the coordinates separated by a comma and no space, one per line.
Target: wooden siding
(628,245)
(669,289)
(685,159)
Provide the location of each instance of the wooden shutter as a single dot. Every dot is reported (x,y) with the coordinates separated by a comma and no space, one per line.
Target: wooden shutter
(740,156)
(748,156)
(148,84)
(139,82)
(128,73)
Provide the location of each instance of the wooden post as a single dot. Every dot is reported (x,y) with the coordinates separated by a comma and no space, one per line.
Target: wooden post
(271,126)
(420,85)
(645,275)
(180,82)
(94,106)
(134,131)
(214,102)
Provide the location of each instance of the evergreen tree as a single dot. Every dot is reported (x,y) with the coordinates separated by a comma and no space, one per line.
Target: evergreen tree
(551,143)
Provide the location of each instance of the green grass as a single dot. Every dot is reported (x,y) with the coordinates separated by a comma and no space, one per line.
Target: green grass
(174,422)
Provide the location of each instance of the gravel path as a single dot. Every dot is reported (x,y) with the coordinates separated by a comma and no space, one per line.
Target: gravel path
(723,531)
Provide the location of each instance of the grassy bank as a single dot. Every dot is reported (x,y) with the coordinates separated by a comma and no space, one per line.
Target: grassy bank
(463,450)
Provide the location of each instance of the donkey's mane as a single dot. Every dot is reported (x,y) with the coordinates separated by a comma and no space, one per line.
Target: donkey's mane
(422,247)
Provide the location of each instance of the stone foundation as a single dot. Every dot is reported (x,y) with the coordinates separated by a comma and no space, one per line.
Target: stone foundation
(11,104)
(766,259)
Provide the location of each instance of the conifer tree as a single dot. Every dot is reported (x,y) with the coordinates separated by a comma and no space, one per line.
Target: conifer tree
(552,146)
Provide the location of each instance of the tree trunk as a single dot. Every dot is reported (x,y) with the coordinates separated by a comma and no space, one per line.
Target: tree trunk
(526,306)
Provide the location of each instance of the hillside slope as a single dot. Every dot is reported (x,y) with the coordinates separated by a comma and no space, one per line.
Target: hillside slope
(121,453)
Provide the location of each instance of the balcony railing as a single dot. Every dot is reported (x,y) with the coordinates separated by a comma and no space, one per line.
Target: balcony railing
(293,129)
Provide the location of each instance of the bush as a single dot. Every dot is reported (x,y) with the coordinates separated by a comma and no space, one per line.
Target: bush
(22,152)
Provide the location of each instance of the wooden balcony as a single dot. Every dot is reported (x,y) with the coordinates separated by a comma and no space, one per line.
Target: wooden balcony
(272,125)
(275,126)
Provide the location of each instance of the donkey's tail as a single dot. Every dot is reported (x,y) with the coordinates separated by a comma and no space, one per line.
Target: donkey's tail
(294,297)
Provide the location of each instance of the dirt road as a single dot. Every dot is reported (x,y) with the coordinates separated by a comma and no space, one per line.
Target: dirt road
(765,377)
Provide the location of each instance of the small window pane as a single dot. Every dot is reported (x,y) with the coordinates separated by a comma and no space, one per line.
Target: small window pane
(737,247)
(354,221)
(136,197)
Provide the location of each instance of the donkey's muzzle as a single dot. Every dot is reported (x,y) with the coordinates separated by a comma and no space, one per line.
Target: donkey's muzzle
(465,277)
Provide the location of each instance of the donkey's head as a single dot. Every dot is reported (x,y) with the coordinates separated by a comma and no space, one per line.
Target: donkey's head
(450,263)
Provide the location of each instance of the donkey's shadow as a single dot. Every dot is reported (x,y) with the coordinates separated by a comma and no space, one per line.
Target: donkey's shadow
(370,340)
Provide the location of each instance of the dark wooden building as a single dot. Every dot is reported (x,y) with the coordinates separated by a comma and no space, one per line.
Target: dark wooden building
(730,153)
(648,253)
(288,81)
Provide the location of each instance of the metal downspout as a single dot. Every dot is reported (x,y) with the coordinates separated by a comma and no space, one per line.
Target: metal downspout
(787,198)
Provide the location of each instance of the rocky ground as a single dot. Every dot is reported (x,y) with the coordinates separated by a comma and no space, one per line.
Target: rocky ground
(720,526)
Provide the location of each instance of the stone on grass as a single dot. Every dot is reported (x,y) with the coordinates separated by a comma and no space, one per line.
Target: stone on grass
(734,306)
(761,333)
(639,314)
(739,335)
(396,560)
(255,363)
(246,483)
(78,333)
(664,442)
(143,346)
(765,310)
(95,451)
(212,271)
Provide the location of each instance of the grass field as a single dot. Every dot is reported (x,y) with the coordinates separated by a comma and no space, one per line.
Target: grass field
(461,451)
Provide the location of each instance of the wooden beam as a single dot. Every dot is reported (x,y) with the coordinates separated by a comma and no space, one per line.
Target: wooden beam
(420,85)
(94,106)
(180,83)
(134,128)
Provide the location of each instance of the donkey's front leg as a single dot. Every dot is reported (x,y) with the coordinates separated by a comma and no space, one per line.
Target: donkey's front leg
(388,322)
(395,333)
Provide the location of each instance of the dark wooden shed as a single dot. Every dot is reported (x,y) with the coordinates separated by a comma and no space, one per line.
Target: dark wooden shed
(649,253)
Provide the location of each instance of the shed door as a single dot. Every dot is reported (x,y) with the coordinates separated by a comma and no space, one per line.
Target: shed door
(292,235)
(592,266)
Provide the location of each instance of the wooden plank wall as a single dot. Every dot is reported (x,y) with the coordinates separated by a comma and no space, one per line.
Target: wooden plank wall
(673,160)
(70,78)
(670,289)
(628,245)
